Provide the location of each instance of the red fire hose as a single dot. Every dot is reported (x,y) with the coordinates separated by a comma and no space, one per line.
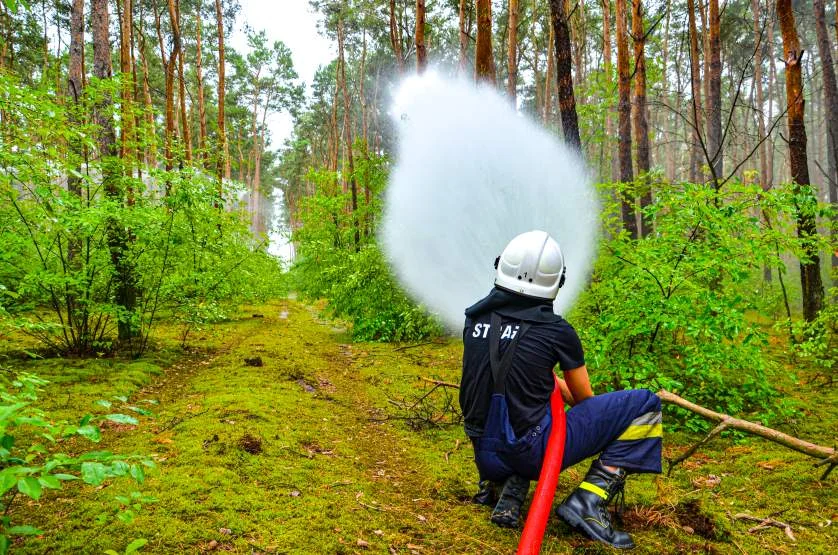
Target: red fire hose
(542,500)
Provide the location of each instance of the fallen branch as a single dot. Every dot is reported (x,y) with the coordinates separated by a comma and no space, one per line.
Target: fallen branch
(765,523)
(827,455)
(441,383)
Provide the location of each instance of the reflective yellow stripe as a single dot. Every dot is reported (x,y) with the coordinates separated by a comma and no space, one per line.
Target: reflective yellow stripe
(594,489)
(643,431)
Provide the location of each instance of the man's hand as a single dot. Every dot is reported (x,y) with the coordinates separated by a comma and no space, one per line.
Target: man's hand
(566,395)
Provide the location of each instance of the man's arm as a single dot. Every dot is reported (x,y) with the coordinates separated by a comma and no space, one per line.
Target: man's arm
(576,386)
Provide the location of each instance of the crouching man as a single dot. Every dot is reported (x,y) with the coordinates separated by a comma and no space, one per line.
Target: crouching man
(512,341)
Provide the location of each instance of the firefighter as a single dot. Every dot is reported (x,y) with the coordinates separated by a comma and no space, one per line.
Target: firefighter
(512,342)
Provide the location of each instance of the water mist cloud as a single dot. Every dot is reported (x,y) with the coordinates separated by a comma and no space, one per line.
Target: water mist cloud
(472,173)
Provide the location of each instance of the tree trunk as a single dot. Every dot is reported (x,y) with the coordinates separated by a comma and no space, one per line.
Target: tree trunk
(395,37)
(512,53)
(830,100)
(463,37)
(696,152)
(484,62)
(421,53)
(624,110)
(608,69)
(186,132)
(564,78)
(75,86)
(641,125)
(549,81)
(126,117)
(347,129)
(765,183)
(810,275)
(199,75)
(714,98)
(150,154)
(222,165)
(125,297)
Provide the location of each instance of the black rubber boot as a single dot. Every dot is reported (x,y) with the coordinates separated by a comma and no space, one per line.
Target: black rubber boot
(508,509)
(586,508)
(487,494)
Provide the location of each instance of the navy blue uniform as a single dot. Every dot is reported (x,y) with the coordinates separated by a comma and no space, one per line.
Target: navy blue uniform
(623,426)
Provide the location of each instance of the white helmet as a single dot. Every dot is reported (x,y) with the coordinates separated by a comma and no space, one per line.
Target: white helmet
(531,264)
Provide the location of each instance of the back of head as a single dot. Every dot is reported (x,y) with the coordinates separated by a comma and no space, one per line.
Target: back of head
(532,265)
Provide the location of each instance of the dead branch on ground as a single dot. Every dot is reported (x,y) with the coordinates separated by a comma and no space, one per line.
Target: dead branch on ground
(764,523)
(826,455)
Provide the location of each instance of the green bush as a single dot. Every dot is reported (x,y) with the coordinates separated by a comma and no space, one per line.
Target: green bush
(30,460)
(673,310)
(353,277)
(70,253)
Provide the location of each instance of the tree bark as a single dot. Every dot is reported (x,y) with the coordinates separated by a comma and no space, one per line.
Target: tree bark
(830,100)
(125,297)
(126,116)
(608,70)
(199,75)
(696,152)
(484,62)
(549,74)
(150,154)
(395,37)
(764,179)
(714,98)
(805,203)
(347,129)
(564,77)
(421,53)
(222,165)
(512,53)
(463,37)
(177,38)
(75,83)
(624,110)
(641,125)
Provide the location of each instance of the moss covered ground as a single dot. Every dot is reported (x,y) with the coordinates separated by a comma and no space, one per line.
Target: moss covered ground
(320,449)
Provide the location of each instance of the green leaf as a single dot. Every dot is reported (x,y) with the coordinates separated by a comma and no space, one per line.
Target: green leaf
(23,530)
(4,545)
(119,468)
(122,419)
(93,473)
(126,516)
(50,482)
(84,421)
(30,486)
(137,473)
(90,431)
(111,552)
(8,479)
(104,403)
(135,545)
(65,477)
(138,410)
(8,410)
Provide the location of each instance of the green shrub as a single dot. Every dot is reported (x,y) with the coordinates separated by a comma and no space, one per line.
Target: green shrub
(672,310)
(69,255)
(354,279)
(30,460)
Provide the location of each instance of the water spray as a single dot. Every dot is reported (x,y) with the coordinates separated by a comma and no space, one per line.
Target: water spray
(471,173)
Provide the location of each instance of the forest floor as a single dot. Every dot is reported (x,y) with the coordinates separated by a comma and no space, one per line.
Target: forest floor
(311,453)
